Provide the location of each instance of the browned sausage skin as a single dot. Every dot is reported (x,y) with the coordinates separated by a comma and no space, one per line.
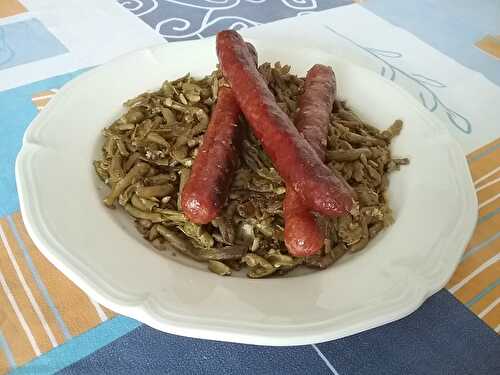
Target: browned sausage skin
(206,190)
(295,160)
(315,107)
(303,235)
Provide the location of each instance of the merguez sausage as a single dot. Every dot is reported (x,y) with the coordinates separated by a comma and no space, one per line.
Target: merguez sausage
(303,235)
(206,190)
(295,160)
(315,107)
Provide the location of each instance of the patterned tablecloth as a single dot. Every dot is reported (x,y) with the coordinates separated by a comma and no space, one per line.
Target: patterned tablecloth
(446,53)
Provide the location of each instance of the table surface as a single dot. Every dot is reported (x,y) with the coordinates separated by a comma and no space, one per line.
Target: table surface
(47,324)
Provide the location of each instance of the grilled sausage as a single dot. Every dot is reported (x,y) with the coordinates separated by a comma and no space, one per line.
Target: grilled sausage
(296,161)
(206,190)
(208,185)
(303,235)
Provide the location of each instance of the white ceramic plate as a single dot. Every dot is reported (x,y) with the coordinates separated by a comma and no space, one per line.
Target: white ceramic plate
(433,200)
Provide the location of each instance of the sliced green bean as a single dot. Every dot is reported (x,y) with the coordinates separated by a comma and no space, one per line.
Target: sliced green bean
(126,195)
(131,160)
(158,139)
(121,147)
(347,155)
(154,217)
(155,190)
(393,130)
(259,267)
(184,246)
(143,204)
(148,153)
(197,233)
(134,116)
(116,172)
(219,268)
(139,170)
(224,253)
(160,179)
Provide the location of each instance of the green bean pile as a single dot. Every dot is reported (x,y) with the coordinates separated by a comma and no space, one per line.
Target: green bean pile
(147,154)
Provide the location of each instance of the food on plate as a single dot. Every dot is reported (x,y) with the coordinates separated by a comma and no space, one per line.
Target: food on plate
(149,151)
(207,187)
(206,190)
(295,160)
(315,106)
(303,233)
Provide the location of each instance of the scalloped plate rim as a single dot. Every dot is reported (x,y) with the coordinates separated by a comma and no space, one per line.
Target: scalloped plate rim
(142,309)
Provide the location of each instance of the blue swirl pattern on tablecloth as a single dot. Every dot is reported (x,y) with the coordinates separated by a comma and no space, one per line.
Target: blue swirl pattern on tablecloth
(426,86)
(192,19)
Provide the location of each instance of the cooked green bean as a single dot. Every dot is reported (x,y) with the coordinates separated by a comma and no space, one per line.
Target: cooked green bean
(160,179)
(184,246)
(101,169)
(148,152)
(235,252)
(197,233)
(259,267)
(375,229)
(219,268)
(155,190)
(320,261)
(134,116)
(156,138)
(131,160)
(139,170)
(393,130)
(115,170)
(143,203)
(348,155)
(357,139)
(154,217)
(280,260)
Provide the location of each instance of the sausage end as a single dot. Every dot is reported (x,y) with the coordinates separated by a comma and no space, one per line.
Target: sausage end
(194,210)
(303,236)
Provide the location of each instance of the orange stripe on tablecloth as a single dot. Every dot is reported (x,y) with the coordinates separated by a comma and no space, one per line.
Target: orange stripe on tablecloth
(12,330)
(490,44)
(478,283)
(473,262)
(10,8)
(483,211)
(487,179)
(492,319)
(41,99)
(484,302)
(485,229)
(28,276)
(14,334)
(4,366)
(488,188)
(110,314)
(474,155)
(482,162)
(479,271)
(20,295)
(76,310)
(484,168)
(482,234)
